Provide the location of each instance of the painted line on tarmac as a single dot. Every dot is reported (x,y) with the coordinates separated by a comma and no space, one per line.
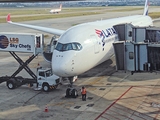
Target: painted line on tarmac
(113,103)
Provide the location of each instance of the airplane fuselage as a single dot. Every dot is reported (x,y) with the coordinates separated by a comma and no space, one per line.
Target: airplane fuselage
(84,46)
(55,10)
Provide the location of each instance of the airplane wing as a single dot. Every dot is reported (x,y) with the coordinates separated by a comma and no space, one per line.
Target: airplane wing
(156,20)
(44,29)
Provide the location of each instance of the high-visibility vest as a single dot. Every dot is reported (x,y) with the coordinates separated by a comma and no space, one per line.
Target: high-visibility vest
(84,91)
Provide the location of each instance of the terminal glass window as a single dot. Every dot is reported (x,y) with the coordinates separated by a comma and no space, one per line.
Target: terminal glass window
(68,46)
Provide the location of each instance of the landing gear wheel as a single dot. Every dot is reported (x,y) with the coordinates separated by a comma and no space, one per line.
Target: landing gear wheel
(45,87)
(67,92)
(10,85)
(74,93)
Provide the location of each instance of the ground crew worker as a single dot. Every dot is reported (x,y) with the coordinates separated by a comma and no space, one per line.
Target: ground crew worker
(83,92)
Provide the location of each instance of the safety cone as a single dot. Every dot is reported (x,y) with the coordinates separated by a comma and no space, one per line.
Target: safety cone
(46,109)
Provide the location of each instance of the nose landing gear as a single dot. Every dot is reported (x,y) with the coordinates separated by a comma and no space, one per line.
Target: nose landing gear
(71,92)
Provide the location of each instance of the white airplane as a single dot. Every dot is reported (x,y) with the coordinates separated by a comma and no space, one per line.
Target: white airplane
(84,46)
(56,10)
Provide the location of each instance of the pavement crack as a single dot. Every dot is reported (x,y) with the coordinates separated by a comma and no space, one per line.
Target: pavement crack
(31,98)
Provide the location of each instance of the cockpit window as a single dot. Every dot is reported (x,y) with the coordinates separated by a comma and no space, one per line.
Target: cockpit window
(59,46)
(68,46)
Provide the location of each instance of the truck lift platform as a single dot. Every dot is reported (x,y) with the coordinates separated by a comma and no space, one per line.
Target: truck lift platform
(13,81)
(28,43)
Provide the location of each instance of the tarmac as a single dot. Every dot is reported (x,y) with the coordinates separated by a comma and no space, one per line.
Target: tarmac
(111,94)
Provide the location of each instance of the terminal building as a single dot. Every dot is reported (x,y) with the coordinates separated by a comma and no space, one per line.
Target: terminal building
(138,49)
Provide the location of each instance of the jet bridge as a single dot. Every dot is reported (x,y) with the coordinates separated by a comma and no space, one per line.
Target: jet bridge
(139,51)
(21,42)
(124,32)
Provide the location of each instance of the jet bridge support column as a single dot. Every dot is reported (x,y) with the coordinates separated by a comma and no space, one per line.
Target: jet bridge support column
(119,55)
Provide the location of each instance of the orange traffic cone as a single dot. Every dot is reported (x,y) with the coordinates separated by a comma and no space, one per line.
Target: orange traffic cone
(46,109)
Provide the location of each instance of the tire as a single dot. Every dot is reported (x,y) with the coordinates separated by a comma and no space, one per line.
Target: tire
(67,92)
(10,85)
(74,93)
(45,87)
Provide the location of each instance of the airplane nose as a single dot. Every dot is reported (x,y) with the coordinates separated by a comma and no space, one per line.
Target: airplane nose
(59,66)
(64,64)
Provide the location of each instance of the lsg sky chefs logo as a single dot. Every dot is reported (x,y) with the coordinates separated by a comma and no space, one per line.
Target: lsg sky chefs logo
(4,42)
(13,42)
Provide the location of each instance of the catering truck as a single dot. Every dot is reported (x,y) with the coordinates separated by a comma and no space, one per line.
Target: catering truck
(27,43)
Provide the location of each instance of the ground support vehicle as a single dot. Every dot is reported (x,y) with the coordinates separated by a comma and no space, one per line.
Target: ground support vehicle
(27,43)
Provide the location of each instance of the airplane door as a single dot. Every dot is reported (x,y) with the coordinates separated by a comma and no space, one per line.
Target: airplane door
(96,44)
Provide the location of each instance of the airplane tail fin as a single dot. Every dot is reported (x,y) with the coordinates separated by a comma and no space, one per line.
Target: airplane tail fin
(60,6)
(8,18)
(146,7)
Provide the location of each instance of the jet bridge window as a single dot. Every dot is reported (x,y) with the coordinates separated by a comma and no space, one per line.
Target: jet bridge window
(131,55)
(68,46)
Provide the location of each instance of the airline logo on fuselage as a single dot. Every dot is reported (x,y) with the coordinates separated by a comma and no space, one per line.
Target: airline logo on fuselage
(104,34)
